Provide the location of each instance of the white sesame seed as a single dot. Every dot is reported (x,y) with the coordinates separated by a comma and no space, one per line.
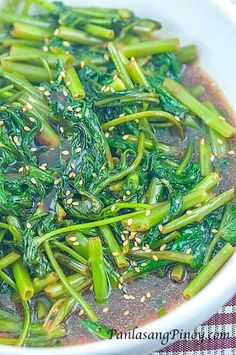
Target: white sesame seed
(75,203)
(130,221)
(163,247)
(105,310)
(81,182)
(106,57)
(62,129)
(16,140)
(231,152)
(219,141)
(202,141)
(128,193)
(47,93)
(214,231)
(143,299)
(33,149)
(212,157)
(65,93)
(57,182)
(110,128)
(28,225)
(76,243)
(72,175)
(1,123)
(56,32)
(72,239)
(125,137)
(160,227)
(126,313)
(148,294)
(81,312)
(70,108)
(21,169)
(107,135)
(115,253)
(131,297)
(45,48)
(155,258)
(126,297)
(69,201)
(82,64)
(147,213)
(65,152)
(42,88)
(113,207)
(78,150)
(94,175)
(68,192)
(66,44)
(137,269)
(33,181)
(188,251)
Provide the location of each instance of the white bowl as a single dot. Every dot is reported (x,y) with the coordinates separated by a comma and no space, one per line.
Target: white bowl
(211,24)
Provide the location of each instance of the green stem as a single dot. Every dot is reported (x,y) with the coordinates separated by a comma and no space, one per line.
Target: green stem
(74,84)
(165,240)
(40,284)
(36,33)
(210,118)
(208,271)
(58,313)
(208,182)
(120,67)
(199,213)
(158,115)
(69,251)
(186,159)
(177,273)
(169,255)
(151,47)
(7,17)
(72,264)
(77,36)
(8,260)
(23,281)
(204,157)
(136,73)
(83,303)
(150,145)
(99,31)
(96,260)
(42,310)
(113,246)
(187,54)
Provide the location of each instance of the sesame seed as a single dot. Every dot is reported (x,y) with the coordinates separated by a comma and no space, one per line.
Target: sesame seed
(16,140)
(1,123)
(81,182)
(76,243)
(72,175)
(189,212)
(57,181)
(121,280)
(70,108)
(231,152)
(65,93)
(65,152)
(128,193)
(214,230)
(126,313)
(130,221)
(147,213)
(143,299)
(221,118)
(42,88)
(113,90)
(188,251)
(32,119)
(106,57)
(126,296)
(122,115)
(107,135)
(131,297)
(137,269)
(28,225)
(66,44)
(148,294)
(47,93)
(177,118)
(125,137)
(62,129)
(56,32)
(120,286)
(81,312)
(126,232)
(33,181)
(113,207)
(107,89)
(160,227)
(68,192)
(72,165)
(124,198)
(212,158)
(78,150)
(33,149)
(75,203)
(144,264)
(105,310)
(103,88)
(21,169)
(219,141)
(155,258)
(138,240)
(115,253)
(42,167)
(29,106)
(72,239)
(82,64)
(110,128)
(45,48)
(69,201)
(163,247)
(202,141)
(94,175)
(126,242)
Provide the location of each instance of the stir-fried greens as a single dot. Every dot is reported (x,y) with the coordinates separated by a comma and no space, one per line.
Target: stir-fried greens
(91,194)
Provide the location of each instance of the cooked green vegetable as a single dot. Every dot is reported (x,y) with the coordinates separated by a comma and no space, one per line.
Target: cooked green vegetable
(96,187)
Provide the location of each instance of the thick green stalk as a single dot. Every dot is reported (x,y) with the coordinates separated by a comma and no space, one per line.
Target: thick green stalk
(36,33)
(187,54)
(77,36)
(58,313)
(31,72)
(74,84)
(177,273)
(210,118)
(58,289)
(113,246)
(72,264)
(136,73)
(150,145)
(63,247)
(186,159)
(83,303)
(204,157)
(7,17)
(23,281)
(151,47)
(8,259)
(154,193)
(208,271)
(165,240)
(96,260)
(169,255)
(46,5)
(40,284)
(42,310)
(199,213)
(145,221)
(120,67)
(208,182)
(99,31)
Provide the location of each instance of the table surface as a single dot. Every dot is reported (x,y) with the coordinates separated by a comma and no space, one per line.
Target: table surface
(222,325)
